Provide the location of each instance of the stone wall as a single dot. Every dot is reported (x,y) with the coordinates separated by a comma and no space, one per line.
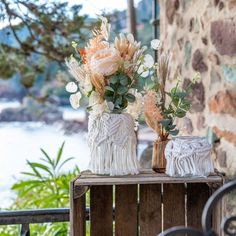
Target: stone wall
(201,34)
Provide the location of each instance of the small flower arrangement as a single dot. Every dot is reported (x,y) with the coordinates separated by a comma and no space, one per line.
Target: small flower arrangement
(162,107)
(108,73)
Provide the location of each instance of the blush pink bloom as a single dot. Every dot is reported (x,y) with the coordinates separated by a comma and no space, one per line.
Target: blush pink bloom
(105,61)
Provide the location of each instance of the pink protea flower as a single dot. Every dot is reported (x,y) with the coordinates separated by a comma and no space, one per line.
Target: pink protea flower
(105,62)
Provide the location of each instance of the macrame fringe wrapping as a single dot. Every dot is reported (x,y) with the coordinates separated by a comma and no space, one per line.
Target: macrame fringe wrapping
(188,156)
(112,142)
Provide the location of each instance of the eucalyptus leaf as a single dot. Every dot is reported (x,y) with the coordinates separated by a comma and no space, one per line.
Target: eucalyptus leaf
(181,94)
(185,105)
(166,122)
(118,101)
(109,88)
(180,113)
(130,97)
(171,127)
(124,81)
(122,90)
(108,93)
(114,79)
(174,132)
(108,98)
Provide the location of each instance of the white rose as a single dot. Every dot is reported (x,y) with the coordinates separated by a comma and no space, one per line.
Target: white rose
(148,61)
(143,71)
(71,87)
(135,108)
(75,99)
(155,44)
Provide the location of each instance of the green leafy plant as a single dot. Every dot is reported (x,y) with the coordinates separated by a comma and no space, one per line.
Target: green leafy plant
(46,186)
(163,107)
(117,92)
(42,36)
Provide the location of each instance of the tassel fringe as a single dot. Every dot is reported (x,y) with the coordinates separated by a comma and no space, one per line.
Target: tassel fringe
(188,156)
(112,143)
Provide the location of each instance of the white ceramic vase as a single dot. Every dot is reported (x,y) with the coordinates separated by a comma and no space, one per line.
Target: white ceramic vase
(112,142)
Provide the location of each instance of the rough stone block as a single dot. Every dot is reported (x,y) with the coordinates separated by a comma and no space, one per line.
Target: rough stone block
(215,76)
(221,158)
(198,63)
(214,58)
(171,7)
(226,134)
(188,125)
(197,96)
(229,73)
(223,102)
(201,122)
(187,53)
(223,34)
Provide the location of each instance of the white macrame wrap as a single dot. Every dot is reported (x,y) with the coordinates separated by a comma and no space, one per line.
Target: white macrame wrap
(188,156)
(112,142)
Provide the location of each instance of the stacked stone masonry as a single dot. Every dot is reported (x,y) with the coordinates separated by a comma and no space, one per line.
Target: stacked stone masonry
(201,35)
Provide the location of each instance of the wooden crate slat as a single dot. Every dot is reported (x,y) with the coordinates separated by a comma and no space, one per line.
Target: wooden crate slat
(217,217)
(218,213)
(126,202)
(173,205)
(126,211)
(77,214)
(150,216)
(197,196)
(101,214)
(142,178)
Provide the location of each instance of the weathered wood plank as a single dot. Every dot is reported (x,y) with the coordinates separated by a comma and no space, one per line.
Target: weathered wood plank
(218,213)
(197,196)
(77,214)
(141,179)
(150,216)
(142,172)
(101,215)
(173,205)
(126,211)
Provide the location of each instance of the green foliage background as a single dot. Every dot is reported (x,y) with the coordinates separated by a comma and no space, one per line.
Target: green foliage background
(46,186)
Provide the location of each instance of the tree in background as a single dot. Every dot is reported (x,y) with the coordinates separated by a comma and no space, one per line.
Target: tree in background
(38,36)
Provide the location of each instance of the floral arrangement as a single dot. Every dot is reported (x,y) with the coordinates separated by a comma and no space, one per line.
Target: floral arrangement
(161,107)
(109,73)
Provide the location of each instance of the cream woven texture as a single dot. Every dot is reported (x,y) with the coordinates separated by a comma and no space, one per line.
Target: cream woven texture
(112,142)
(188,156)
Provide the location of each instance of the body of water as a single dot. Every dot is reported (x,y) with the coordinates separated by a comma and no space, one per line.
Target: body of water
(22,141)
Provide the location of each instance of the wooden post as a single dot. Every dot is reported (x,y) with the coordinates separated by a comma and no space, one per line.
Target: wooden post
(77,213)
(131,18)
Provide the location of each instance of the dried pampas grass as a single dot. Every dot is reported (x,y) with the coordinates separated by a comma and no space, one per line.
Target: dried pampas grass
(99,84)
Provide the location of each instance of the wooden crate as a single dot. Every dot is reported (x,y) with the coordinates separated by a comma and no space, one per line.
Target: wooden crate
(145,204)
